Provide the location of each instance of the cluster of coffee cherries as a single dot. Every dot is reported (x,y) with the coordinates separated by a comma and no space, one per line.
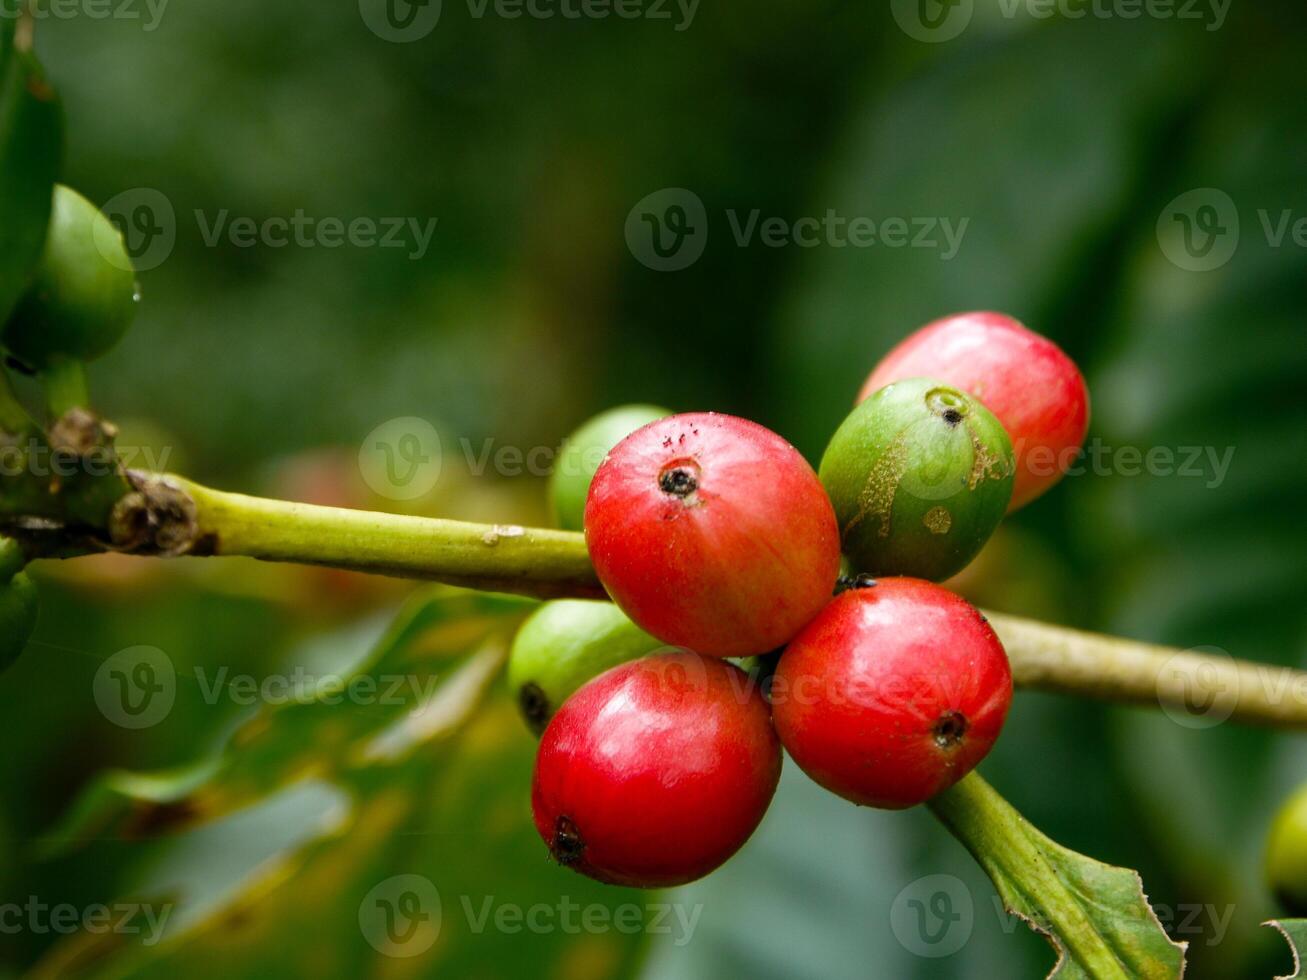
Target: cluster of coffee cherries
(759,605)
(75,305)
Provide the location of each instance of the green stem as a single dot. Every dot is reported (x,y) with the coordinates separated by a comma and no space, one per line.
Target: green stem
(501,558)
(171,516)
(1209,688)
(1005,845)
(65,386)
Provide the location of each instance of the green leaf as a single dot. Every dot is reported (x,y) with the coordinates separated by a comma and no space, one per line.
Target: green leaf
(31,142)
(1095,916)
(1295,932)
(251,897)
(447,645)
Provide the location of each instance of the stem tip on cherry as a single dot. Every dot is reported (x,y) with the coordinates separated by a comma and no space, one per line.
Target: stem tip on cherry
(568,845)
(678,481)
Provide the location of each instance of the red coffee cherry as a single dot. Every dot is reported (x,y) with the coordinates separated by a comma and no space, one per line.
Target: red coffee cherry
(712,533)
(657,771)
(1025,379)
(894,693)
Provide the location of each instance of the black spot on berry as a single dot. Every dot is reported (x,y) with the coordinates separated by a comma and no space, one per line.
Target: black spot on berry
(535,706)
(862,581)
(949,729)
(952,417)
(679,481)
(567,846)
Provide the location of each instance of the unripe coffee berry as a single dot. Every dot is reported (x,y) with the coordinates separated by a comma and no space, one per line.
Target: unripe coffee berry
(1026,380)
(31,149)
(920,475)
(584,450)
(1286,854)
(18,610)
(84,294)
(894,693)
(712,533)
(655,772)
(562,645)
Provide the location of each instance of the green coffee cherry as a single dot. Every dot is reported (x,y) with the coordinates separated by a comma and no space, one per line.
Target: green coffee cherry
(920,475)
(562,645)
(18,608)
(584,450)
(1286,854)
(31,144)
(83,296)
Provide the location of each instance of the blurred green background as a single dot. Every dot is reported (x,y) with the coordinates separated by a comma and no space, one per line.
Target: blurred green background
(1062,141)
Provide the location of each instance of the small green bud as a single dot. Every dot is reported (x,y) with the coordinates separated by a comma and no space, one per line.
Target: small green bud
(920,475)
(83,296)
(1286,854)
(18,609)
(584,450)
(562,645)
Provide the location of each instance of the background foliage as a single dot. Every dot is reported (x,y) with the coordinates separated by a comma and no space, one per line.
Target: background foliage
(1060,140)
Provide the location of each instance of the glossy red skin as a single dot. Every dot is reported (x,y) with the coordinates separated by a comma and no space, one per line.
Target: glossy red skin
(735,569)
(1026,380)
(664,766)
(857,694)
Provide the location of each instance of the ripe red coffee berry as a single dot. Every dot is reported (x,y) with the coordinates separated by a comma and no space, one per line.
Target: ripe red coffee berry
(1026,380)
(655,772)
(894,693)
(713,533)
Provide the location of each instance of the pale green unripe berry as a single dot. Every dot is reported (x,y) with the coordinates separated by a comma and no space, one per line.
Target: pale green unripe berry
(562,645)
(584,450)
(1286,854)
(83,295)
